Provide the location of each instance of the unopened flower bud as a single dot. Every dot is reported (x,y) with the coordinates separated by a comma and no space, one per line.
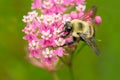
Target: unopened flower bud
(98,20)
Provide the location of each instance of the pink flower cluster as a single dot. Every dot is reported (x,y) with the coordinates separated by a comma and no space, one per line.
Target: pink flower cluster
(55,6)
(43,29)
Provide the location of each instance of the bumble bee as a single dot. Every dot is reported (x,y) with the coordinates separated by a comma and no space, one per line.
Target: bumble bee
(83,30)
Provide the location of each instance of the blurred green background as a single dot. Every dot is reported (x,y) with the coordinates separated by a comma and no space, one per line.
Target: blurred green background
(87,66)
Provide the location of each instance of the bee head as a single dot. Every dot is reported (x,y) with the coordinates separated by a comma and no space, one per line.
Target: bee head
(68,26)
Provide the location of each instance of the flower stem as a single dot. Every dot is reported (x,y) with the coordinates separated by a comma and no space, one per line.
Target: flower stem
(70,66)
(71,72)
(79,49)
(62,60)
(55,76)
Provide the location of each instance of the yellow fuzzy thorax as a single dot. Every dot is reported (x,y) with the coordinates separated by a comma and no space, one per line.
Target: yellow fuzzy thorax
(85,27)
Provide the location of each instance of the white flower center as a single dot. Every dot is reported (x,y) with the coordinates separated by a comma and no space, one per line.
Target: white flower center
(47,53)
(60,42)
(46,35)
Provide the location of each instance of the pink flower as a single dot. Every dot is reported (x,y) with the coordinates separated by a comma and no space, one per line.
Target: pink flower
(46,35)
(30,37)
(58,9)
(67,2)
(80,8)
(45,43)
(34,49)
(47,4)
(48,19)
(78,1)
(41,64)
(57,32)
(34,44)
(66,17)
(27,19)
(29,29)
(35,24)
(74,15)
(80,14)
(59,51)
(49,60)
(57,17)
(60,42)
(37,4)
(40,18)
(69,40)
(36,53)
(33,14)
(48,56)
(47,11)
(98,20)
(47,53)
(59,1)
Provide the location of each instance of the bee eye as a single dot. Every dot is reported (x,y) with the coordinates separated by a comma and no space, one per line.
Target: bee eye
(68,26)
(80,25)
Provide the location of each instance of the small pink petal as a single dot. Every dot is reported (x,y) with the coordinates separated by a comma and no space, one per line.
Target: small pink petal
(59,51)
(69,39)
(73,15)
(98,20)
(80,14)
(66,15)
(37,4)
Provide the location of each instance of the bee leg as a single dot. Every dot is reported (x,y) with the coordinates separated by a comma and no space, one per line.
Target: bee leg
(69,43)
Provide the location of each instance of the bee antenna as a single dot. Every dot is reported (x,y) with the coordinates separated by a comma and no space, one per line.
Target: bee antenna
(94,7)
(62,31)
(59,26)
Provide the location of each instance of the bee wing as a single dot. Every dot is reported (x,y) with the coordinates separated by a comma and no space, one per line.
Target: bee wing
(90,14)
(91,43)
